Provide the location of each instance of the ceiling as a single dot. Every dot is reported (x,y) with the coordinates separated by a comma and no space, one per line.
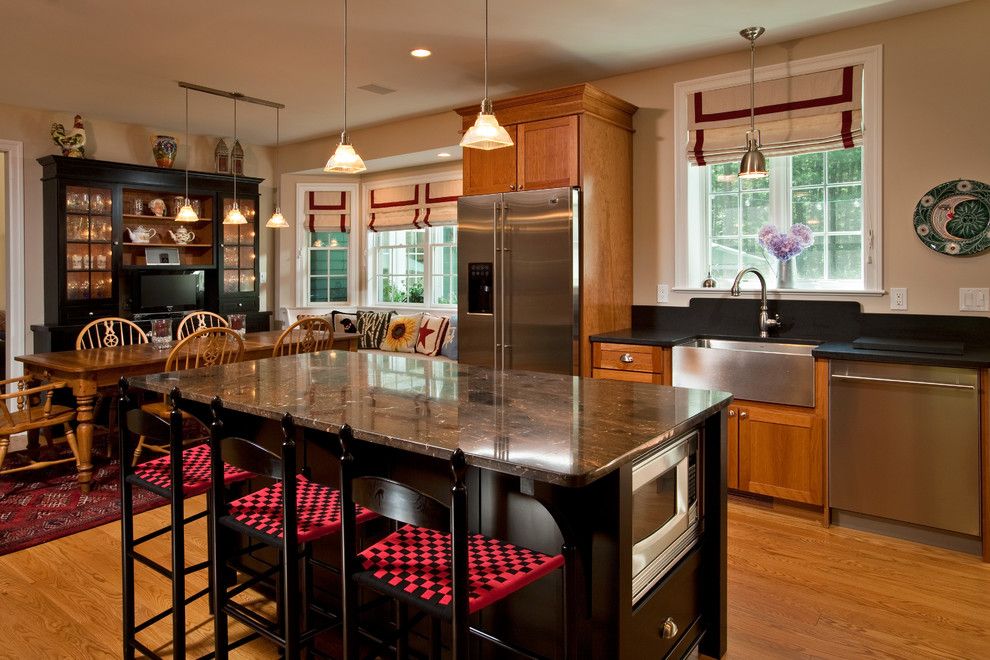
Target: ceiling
(120,59)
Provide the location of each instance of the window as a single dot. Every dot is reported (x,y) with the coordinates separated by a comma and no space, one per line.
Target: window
(822,190)
(822,133)
(328,257)
(414,266)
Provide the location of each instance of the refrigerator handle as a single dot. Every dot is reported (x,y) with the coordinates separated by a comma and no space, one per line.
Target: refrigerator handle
(502,262)
(496,253)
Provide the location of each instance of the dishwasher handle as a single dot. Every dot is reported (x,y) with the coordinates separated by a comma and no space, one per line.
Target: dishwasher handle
(924,383)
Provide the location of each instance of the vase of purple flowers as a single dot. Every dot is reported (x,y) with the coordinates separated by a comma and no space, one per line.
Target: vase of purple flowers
(784,247)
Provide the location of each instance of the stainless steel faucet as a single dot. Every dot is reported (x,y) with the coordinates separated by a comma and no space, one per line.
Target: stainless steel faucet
(766,323)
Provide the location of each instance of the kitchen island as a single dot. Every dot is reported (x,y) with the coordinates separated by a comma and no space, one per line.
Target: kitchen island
(551,461)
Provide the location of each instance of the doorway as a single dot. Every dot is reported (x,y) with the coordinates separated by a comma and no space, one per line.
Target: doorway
(14,327)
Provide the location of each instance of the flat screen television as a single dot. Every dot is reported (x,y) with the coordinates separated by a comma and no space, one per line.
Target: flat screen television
(167,292)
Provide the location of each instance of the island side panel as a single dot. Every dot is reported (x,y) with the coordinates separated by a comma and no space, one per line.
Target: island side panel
(714,571)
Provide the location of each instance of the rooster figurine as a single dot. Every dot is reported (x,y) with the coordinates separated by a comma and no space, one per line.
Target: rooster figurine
(72,143)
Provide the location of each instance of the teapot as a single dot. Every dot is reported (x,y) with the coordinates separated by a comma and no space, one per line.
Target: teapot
(182,236)
(141,234)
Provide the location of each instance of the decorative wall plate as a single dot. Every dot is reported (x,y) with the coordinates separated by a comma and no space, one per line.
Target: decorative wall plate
(954,218)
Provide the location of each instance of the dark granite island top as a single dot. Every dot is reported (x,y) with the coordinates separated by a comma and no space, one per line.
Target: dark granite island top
(558,429)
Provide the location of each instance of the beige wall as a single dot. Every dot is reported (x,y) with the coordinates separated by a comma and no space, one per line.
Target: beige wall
(105,140)
(3,230)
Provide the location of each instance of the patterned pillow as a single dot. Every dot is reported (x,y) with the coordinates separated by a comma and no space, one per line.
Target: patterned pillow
(431,334)
(344,323)
(372,327)
(403,331)
(449,347)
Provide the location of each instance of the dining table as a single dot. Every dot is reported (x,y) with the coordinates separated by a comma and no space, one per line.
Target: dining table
(91,371)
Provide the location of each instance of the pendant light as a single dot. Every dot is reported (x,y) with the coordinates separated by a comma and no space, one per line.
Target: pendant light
(234,215)
(754,163)
(186,213)
(277,221)
(486,133)
(344,159)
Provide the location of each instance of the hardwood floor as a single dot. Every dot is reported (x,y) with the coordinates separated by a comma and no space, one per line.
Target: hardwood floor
(796,590)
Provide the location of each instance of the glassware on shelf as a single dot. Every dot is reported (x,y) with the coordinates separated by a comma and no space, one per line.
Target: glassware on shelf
(137,206)
(98,204)
(161,334)
(237,323)
(197,206)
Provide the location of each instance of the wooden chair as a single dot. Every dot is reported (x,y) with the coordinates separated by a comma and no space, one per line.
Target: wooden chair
(200,320)
(203,348)
(307,335)
(110,332)
(36,412)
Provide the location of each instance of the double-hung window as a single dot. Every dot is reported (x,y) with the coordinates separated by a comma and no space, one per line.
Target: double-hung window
(328,245)
(412,241)
(820,132)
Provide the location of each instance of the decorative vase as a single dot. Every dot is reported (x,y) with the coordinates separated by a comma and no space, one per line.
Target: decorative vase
(164,148)
(785,274)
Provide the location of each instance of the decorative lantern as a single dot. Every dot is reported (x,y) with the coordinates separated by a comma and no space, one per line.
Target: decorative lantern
(222,157)
(237,159)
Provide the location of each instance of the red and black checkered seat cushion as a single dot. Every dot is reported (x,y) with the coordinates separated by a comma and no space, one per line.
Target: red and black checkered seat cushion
(413,564)
(156,475)
(317,512)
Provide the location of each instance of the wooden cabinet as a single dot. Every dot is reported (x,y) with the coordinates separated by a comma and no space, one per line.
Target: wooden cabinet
(631,362)
(488,172)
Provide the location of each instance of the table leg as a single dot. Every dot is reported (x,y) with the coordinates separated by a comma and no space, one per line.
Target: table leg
(84,436)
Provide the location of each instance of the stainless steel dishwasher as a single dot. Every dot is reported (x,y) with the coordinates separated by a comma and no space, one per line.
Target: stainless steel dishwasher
(904,443)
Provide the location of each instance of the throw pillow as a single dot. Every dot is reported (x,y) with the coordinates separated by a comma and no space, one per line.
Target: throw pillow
(449,348)
(344,323)
(372,327)
(403,331)
(431,334)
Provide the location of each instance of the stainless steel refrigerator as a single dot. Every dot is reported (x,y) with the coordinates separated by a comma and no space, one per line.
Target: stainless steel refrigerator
(518,273)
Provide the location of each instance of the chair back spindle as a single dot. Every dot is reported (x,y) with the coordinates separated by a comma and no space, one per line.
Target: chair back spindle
(110,332)
(199,320)
(206,348)
(307,335)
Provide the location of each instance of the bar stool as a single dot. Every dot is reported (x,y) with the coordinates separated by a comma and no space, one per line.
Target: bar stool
(288,515)
(432,562)
(190,468)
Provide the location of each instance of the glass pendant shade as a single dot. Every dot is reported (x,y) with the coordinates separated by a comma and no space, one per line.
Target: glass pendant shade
(754,163)
(186,213)
(277,221)
(234,217)
(486,133)
(344,159)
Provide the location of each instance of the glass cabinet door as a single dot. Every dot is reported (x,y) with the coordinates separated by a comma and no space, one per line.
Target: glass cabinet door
(88,243)
(238,249)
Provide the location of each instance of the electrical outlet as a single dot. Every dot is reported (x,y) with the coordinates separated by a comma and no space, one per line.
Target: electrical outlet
(974,300)
(898,298)
(663,293)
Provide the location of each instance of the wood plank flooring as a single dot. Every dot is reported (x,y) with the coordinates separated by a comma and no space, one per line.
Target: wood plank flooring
(796,590)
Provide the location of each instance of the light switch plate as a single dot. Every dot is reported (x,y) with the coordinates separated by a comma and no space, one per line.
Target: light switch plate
(898,299)
(663,293)
(974,300)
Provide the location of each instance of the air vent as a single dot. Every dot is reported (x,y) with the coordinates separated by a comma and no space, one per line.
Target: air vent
(377,89)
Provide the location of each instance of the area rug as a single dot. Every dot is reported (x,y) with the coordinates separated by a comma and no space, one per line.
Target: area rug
(37,506)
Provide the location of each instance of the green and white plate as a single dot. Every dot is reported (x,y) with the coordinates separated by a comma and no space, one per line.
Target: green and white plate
(954,218)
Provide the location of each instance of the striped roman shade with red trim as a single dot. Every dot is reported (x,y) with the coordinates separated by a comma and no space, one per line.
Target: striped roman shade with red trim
(414,206)
(328,210)
(817,111)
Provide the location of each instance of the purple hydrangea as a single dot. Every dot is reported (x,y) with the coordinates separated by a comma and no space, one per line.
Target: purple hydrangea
(766,232)
(803,234)
(785,246)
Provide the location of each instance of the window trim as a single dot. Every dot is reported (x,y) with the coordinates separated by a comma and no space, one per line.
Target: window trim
(688,241)
(302,243)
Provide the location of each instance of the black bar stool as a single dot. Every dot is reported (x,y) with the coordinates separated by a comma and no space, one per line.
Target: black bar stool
(188,467)
(432,563)
(288,515)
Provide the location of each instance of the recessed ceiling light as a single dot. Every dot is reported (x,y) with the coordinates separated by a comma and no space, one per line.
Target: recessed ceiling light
(420,52)
(443,154)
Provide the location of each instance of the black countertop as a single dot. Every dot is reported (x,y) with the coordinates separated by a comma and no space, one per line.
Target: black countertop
(557,429)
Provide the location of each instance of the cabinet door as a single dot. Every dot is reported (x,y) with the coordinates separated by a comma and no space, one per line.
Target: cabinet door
(780,453)
(547,153)
(488,172)
(732,440)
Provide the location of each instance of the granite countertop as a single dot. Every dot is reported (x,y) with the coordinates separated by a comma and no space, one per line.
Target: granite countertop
(558,429)
(646,337)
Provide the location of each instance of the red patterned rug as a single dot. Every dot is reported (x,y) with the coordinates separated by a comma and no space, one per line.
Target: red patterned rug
(37,506)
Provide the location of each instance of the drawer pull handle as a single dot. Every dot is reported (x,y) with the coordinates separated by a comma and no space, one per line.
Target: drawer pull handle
(743,415)
(732,413)
(669,629)
(626,358)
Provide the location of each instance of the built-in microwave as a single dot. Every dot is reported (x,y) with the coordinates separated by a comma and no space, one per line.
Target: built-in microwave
(666,510)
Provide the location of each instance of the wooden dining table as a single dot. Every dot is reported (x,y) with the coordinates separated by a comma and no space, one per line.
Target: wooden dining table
(88,372)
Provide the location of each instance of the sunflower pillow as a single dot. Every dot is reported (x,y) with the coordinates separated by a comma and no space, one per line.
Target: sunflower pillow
(402,333)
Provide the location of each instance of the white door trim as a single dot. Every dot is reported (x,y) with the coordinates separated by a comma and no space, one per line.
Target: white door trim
(16,323)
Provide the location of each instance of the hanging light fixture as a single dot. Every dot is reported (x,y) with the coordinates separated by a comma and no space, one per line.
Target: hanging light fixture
(344,159)
(486,133)
(754,163)
(234,215)
(186,213)
(277,221)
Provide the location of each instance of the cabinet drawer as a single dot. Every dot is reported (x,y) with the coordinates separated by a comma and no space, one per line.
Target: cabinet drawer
(676,599)
(628,357)
(627,376)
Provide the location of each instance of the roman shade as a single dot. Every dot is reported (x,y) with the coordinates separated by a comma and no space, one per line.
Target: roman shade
(818,111)
(327,210)
(414,206)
